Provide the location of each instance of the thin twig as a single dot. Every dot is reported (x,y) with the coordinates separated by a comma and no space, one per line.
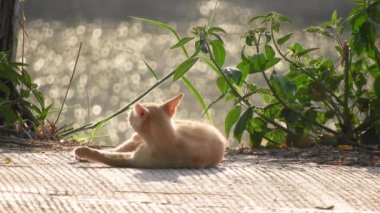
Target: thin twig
(213,102)
(68,87)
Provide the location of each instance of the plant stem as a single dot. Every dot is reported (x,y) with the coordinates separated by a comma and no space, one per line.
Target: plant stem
(68,87)
(219,70)
(347,127)
(283,103)
(123,109)
(306,73)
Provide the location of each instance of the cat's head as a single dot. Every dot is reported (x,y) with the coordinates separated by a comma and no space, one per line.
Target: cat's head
(143,113)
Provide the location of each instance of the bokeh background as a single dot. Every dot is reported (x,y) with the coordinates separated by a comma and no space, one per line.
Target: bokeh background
(111,71)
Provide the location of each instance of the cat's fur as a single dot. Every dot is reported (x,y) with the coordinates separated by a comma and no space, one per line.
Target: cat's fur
(160,142)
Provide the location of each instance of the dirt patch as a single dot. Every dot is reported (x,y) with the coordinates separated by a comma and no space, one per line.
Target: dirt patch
(320,154)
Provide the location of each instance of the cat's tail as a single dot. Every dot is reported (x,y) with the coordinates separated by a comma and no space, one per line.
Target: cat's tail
(116,159)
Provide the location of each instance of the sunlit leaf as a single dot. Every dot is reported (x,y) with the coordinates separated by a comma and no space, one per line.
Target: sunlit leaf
(216,30)
(269,52)
(218,51)
(334,17)
(255,18)
(26,79)
(182,42)
(242,123)
(183,68)
(198,96)
(233,73)
(231,118)
(284,39)
(305,52)
(158,24)
(345,147)
(272,62)
(258,63)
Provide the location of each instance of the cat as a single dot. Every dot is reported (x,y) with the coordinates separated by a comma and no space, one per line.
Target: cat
(161,142)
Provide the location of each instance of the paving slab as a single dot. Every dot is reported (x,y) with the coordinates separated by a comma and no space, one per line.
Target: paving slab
(51,181)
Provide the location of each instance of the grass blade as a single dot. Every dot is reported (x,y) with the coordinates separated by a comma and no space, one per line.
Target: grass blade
(198,96)
(151,70)
(183,68)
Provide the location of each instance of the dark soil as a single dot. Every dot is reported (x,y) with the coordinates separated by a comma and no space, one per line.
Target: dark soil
(319,154)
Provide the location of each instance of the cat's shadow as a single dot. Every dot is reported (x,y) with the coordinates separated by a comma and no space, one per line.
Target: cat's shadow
(175,175)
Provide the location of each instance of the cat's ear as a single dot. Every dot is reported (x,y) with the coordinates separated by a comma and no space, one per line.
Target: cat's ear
(171,105)
(141,111)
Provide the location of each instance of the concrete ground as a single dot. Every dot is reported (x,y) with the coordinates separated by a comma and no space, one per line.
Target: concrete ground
(51,181)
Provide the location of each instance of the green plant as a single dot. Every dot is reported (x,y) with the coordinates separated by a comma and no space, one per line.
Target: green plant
(316,99)
(21,102)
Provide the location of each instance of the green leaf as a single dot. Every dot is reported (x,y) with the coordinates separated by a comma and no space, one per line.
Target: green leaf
(269,52)
(374,71)
(374,12)
(158,24)
(305,52)
(216,30)
(284,39)
(283,18)
(95,131)
(283,86)
(198,96)
(245,67)
(376,86)
(183,68)
(233,73)
(275,138)
(334,17)
(182,42)
(163,26)
(255,139)
(26,79)
(320,30)
(218,51)
(5,89)
(231,118)
(7,114)
(40,98)
(217,37)
(151,70)
(222,84)
(258,63)
(272,62)
(242,124)
(255,18)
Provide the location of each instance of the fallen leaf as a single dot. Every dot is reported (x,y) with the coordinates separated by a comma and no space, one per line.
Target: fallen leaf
(325,207)
(345,147)
(6,160)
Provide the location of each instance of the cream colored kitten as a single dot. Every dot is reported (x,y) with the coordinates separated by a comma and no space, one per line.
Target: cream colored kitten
(160,142)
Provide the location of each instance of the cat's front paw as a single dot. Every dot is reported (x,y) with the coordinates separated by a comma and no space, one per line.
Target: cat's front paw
(81,152)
